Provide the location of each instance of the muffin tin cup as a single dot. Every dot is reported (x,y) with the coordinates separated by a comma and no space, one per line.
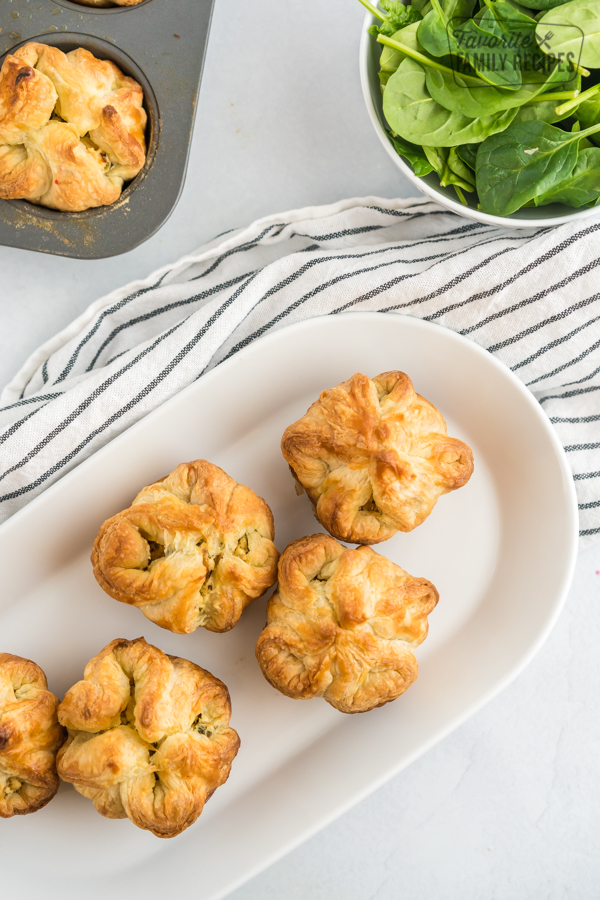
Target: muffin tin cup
(160,43)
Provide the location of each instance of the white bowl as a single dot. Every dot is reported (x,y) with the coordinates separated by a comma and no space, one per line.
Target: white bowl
(430,185)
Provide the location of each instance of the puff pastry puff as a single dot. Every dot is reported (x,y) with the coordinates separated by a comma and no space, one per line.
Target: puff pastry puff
(71,128)
(193,549)
(374,457)
(29,737)
(149,736)
(342,625)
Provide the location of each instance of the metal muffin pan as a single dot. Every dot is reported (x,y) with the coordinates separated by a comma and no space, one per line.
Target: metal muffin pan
(160,43)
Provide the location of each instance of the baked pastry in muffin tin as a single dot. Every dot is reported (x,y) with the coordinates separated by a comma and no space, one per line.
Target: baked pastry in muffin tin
(343,625)
(192,550)
(374,457)
(72,128)
(149,736)
(29,737)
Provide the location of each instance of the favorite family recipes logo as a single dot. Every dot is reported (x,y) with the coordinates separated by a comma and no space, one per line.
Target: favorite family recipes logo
(510,51)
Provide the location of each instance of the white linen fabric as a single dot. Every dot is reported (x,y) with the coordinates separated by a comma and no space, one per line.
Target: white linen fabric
(531,297)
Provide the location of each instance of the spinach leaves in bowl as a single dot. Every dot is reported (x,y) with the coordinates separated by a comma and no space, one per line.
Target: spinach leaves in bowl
(493,96)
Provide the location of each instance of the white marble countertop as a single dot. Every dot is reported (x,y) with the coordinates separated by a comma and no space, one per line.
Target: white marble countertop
(507,807)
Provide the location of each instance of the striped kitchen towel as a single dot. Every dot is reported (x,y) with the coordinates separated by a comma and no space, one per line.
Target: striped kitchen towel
(531,297)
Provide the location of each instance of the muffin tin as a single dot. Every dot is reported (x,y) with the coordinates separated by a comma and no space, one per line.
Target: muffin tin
(160,43)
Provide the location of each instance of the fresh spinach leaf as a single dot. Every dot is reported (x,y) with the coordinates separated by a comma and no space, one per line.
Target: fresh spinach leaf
(510,15)
(522,8)
(588,112)
(446,168)
(544,4)
(435,32)
(560,31)
(437,157)
(468,154)
(397,16)
(498,42)
(484,46)
(457,94)
(435,36)
(522,163)
(515,31)
(391,57)
(460,170)
(414,154)
(412,112)
(542,110)
(584,143)
(581,187)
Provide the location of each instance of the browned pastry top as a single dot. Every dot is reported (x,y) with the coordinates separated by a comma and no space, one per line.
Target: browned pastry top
(71,128)
(342,625)
(374,457)
(29,737)
(149,736)
(193,549)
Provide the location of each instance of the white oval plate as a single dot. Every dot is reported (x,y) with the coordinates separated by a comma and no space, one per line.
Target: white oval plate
(500,550)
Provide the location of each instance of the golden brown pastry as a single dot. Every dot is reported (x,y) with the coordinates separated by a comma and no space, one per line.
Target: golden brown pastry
(108,2)
(373,457)
(29,737)
(149,736)
(342,625)
(193,549)
(71,128)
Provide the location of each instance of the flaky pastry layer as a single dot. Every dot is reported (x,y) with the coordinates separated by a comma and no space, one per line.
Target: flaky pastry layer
(29,737)
(374,457)
(192,550)
(71,128)
(149,736)
(342,625)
